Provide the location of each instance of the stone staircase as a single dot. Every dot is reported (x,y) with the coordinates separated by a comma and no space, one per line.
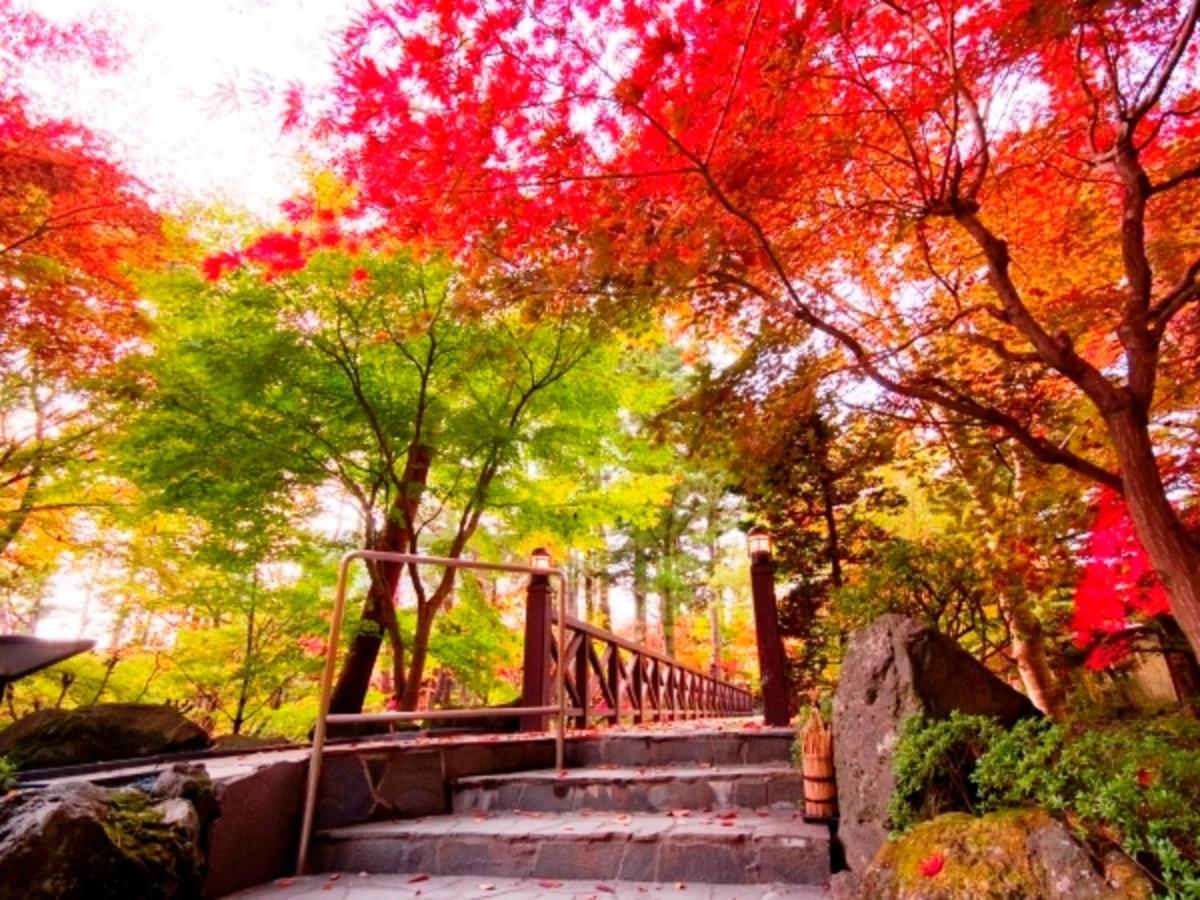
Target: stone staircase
(632,813)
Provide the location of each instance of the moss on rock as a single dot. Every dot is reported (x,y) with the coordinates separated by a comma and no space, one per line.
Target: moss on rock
(1008,855)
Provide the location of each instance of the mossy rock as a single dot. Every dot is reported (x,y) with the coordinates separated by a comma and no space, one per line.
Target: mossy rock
(78,841)
(1008,855)
(110,731)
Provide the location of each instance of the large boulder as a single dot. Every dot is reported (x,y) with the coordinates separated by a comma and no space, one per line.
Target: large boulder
(893,669)
(1013,853)
(68,737)
(78,840)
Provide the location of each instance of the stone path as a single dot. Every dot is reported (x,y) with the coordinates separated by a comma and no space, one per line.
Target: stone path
(708,806)
(630,788)
(730,846)
(349,886)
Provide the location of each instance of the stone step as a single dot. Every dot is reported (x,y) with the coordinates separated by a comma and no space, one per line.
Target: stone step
(729,847)
(660,788)
(363,886)
(716,747)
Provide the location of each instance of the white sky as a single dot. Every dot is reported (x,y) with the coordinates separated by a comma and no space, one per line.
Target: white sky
(163,114)
(163,110)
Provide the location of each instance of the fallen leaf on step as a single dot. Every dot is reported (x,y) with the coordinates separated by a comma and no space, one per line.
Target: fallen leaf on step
(487,887)
(680,886)
(417,878)
(549,884)
(605,889)
(680,813)
(334,876)
(727,814)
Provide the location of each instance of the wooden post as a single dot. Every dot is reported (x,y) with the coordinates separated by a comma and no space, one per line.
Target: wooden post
(639,690)
(770,644)
(614,684)
(535,673)
(583,681)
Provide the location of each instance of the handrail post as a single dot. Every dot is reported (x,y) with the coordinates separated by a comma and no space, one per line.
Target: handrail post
(535,678)
(318,741)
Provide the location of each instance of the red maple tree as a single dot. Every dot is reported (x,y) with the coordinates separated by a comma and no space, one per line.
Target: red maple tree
(72,225)
(1118,586)
(986,208)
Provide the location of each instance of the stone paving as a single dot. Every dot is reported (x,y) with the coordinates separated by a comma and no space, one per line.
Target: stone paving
(350,886)
(719,847)
(642,788)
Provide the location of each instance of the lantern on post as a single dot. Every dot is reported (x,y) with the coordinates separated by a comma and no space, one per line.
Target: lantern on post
(759,541)
(766,627)
(535,677)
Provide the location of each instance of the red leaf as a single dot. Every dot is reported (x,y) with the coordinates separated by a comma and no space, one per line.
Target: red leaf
(932,864)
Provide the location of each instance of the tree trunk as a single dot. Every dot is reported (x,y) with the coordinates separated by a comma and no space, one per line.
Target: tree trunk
(1029,653)
(603,601)
(420,652)
(1181,662)
(355,678)
(639,595)
(714,627)
(239,716)
(1171,549)
(832,543)
(666,602)
(589,593)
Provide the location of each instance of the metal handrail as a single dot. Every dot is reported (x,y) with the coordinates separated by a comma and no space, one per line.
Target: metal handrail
(559,709)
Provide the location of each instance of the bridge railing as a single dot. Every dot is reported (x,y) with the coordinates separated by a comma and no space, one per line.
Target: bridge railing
(607,677)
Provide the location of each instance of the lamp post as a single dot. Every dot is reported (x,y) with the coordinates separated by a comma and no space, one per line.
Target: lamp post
(766,628)
(535,678)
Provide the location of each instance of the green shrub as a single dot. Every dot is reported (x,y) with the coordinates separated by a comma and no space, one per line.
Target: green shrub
(933,763)
(1134,784)
(8,774)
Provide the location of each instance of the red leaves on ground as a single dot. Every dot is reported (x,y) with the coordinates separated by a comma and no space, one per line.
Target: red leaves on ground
(932,864)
